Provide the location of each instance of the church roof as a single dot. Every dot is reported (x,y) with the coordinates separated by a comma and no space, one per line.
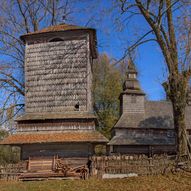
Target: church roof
(158,114)
(52,137)
(66,115)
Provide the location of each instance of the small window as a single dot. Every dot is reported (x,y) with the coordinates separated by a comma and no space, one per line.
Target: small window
(77,106)
(132,76)
(56,40)
(133,99)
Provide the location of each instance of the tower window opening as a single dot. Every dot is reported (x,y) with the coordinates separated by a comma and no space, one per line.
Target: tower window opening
(132,76)
(56,40)
(77,106)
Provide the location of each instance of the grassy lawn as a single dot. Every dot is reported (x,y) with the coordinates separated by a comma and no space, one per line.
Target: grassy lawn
(178,182)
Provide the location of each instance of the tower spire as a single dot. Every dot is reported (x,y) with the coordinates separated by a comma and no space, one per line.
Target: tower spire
(131,69)
(131,84)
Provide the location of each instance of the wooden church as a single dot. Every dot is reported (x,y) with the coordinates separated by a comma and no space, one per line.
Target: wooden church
(144,127)
(58,118)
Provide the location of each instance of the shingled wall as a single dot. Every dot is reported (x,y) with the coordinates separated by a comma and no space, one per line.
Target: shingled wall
(57,76)
(133,104)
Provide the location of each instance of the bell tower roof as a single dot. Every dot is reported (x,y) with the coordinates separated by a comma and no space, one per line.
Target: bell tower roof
(131,84)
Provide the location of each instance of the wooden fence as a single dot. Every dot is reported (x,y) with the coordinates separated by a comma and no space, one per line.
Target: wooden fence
(122,164)
(12,171)
(43,168)
(141,165)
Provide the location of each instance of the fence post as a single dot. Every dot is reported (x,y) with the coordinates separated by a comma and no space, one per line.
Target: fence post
(29,164)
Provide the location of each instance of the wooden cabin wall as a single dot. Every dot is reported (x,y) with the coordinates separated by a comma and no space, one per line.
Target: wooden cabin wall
(144,149)
(62,150)
(149,132)
(126,149)
(58,75)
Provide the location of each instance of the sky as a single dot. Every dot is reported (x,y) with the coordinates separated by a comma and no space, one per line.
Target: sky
(115,33)
(115,36)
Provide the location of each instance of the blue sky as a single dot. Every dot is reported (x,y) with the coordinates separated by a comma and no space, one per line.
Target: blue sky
(114,38)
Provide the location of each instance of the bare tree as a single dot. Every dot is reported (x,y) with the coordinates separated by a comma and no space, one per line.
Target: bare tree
(19,17)
(168,21)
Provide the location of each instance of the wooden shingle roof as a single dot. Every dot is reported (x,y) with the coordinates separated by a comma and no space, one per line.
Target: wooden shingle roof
(158,114)
(66,115)
(57,28)
(50,137)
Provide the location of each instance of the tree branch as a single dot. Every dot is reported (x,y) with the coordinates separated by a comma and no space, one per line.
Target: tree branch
(24,16)
(12,84)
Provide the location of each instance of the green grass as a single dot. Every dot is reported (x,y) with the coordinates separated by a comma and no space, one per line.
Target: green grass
(178,182)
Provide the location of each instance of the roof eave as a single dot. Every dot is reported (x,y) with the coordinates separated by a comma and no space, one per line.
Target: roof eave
(61,142)
(144,128)
(23,37)
(66,116)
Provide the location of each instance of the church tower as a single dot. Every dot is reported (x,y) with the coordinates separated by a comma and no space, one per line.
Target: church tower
(132,111)
(132,98)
